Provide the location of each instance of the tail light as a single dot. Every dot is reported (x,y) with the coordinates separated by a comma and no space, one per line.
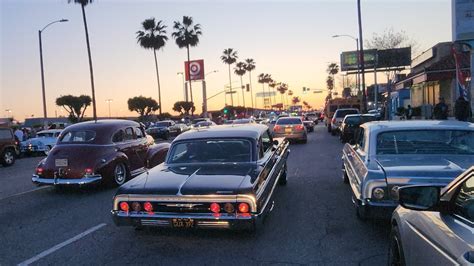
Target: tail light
(124,206)
(333,120)
(136,206)
(244,208)
(89,171)
(39,170)
(299,127)
(276,128)
(148,206)
(215,207)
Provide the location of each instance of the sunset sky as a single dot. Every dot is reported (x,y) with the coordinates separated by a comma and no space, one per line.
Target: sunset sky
(291,40)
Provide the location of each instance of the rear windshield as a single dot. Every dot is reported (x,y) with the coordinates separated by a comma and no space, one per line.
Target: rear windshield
(343,113)
(357,120)
(77,136)
(46,135)
(289,121)
(211,151)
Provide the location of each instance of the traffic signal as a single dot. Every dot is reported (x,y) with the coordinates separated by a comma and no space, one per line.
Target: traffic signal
(226,111)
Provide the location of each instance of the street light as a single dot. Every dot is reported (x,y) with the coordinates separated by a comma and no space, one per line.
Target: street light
(185,91)
(213,71)
(109,101)
(45,114)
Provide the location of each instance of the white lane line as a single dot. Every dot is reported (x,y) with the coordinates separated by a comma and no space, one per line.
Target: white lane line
(61,245)
(25,192)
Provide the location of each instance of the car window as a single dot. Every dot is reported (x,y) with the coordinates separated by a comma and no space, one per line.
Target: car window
(343,113)
(266,141)
(78,136)
(5,134)
(352,120)
(128,134)
(139,133)
(361,139)
(464,201)
(118,136)
(209,151)
(289,121)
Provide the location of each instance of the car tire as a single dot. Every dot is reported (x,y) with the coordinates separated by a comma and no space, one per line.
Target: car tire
(8,157)
(48,149)
(395,253)
(283,178)
(360,213)
(119,174)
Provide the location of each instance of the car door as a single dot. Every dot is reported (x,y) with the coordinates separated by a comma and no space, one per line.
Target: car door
(445,238)
(123,140)
(355,166)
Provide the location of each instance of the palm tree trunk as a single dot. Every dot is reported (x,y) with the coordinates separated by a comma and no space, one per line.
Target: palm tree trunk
(263,98)
(242,87)
(94,111)
(230,86)
(158,80)
(189,75)
(251,90)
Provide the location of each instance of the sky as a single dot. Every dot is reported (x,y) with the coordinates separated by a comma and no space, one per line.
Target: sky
(291,40)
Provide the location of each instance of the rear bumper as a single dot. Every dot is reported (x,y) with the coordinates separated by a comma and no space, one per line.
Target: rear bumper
(66,181)
(292,136)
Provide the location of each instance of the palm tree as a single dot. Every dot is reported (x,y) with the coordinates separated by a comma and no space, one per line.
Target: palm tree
(84,3)
(282,88)
(229,56)
(153,37)
(249,66)
(332,70)
(261,79)
(239,70)
(187,35)
(272,84)
(268,79)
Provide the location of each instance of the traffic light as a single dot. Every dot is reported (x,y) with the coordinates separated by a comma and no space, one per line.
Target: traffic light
(226,111)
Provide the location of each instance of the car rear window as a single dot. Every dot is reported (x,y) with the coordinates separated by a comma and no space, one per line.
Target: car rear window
(211,151)
(352,120)
(343,113)
(289,121)
(79,136)
(5,134)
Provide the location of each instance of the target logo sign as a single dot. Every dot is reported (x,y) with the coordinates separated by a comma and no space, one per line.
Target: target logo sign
(195,69)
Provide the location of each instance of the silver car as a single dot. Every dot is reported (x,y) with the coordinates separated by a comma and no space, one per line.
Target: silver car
(291,128)
(434,226)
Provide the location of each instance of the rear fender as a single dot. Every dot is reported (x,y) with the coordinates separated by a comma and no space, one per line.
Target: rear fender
(156,154)
(107,163)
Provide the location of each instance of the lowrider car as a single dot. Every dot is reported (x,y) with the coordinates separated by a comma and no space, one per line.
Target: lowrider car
(216,177)
(388,155)
(43,143)
(164,129)
(103,151)
(437,223)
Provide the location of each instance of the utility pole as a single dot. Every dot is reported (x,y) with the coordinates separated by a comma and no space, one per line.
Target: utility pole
(361,58)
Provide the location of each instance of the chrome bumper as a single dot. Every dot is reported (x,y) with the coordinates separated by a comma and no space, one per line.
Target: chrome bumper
(299,136)
(63,181)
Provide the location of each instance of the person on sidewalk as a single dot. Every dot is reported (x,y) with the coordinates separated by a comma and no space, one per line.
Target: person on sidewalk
(462,110)
(440,111)
(409,113)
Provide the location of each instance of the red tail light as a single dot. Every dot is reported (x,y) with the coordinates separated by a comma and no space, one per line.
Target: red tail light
(243,207)
(89,171)
(148,206)
(215,207)
(124,206)
(299,127)
(276,128)
(39,171)
(333,120)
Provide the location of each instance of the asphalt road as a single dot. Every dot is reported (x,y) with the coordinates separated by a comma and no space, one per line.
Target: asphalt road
(313,222)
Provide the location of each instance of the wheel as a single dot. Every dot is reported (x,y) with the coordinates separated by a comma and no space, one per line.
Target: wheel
(8,157)
(47,150)
(119,174)
(283,178)
(395,254)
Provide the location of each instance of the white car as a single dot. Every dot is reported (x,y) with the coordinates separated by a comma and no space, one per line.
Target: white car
(338,117)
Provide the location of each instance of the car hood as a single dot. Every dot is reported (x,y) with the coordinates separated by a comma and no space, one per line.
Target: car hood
(202,179)
(413,169)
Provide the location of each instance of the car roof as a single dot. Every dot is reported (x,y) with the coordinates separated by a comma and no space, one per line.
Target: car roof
(252,131)
(380,126)
(354,115)
(50,131)
(103,128)
(347,109)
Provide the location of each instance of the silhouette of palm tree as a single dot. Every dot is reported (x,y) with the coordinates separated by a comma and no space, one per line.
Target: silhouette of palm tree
(229,56)
(250,66)
(239,70)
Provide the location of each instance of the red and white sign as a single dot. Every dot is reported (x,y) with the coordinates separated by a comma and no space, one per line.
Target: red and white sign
(195,69)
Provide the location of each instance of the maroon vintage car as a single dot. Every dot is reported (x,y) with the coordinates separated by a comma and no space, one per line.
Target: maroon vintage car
(103,151)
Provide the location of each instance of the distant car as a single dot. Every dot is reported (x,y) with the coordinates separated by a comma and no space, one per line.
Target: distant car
(8,147)
(42,143)
(243,121)
(197,120)
(309,124)
(313,116)
(375,112)
(291,128)
(434,226)
(388,155)
(103,151)
(351,124)
(164,129)
(337,118)
(204,124)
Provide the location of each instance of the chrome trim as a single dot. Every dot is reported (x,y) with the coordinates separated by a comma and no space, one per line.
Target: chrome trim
(196,216)
(64,181)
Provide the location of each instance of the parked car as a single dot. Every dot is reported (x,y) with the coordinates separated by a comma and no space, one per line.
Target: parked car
(351,124)
(291,128)
(164,129)
(223,177)
(338,116)
(388,155)
(309,124)
(206,123)
(107,151)
(42,143)
(197,120)
(244,121)
(434,226)
(8,147)
(313,116)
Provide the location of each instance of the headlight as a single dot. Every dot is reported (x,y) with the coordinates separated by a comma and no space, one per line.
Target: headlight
(394,192)
(378,193)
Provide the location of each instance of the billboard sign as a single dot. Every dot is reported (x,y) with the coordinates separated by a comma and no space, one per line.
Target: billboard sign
(195,69)
(387,58)
(349,60)
(463,20)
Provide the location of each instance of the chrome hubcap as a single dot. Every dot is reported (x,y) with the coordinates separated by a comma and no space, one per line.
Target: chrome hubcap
(120,173)
(8,158)
(47,149)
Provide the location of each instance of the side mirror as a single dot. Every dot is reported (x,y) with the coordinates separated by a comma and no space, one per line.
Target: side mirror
(419,198)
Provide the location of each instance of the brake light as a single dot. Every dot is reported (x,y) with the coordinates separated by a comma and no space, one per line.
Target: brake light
(148,206)
(299,127)
(88,171)
(124,206)
(276,128)
(215,207)
(243,208)
(333,120)
(39,171)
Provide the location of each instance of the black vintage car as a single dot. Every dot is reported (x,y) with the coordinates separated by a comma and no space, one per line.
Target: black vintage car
(351,123)
(216,177)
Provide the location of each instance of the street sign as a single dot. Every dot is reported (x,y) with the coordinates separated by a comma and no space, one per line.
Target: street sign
(195,69)
(266,94)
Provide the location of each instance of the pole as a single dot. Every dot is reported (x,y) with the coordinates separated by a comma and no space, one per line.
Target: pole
(471,82)
(388,109)
(204,99)
(45,114)
(230,86)
(158,81)
(186,91)
(251,88)
(358,66)
(361,58)
(243,94)
(376,86)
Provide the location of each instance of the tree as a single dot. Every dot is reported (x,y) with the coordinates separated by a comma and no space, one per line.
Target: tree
(390,39)
(142,105)
(240,70)
(74,105)
(295,100)
(187,35)
(183,107)
(272,84)
(250,66)
(282,88)
(153,36)
(229,56)
(83,3)
(261,79)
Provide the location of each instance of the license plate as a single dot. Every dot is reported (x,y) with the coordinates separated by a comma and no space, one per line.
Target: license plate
(182,223)
(60,162)
(288,130)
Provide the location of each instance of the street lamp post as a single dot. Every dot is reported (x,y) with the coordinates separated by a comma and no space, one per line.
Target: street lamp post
(45,114)
(204,93)
(358,59)
(185,91)
(109,101)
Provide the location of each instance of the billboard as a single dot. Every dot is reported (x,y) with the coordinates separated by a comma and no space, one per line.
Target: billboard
(462,20)
(194,68)
(349,59)
(387,58)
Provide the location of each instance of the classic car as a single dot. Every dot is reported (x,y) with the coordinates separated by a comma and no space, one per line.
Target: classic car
(164,129)
(309,123)
(103,151)
(437,222)
(388,155)
(8,147)
(201,124)
(43,143)
(216,177)
(351,124)
(290,128)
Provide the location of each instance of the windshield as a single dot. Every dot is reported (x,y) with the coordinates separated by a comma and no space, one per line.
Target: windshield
(209,151)
(426,142)
(289,121)
(78,136)
(45,135)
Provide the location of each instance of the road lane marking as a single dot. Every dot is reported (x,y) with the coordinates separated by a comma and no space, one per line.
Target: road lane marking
(61,245)
(24,192)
